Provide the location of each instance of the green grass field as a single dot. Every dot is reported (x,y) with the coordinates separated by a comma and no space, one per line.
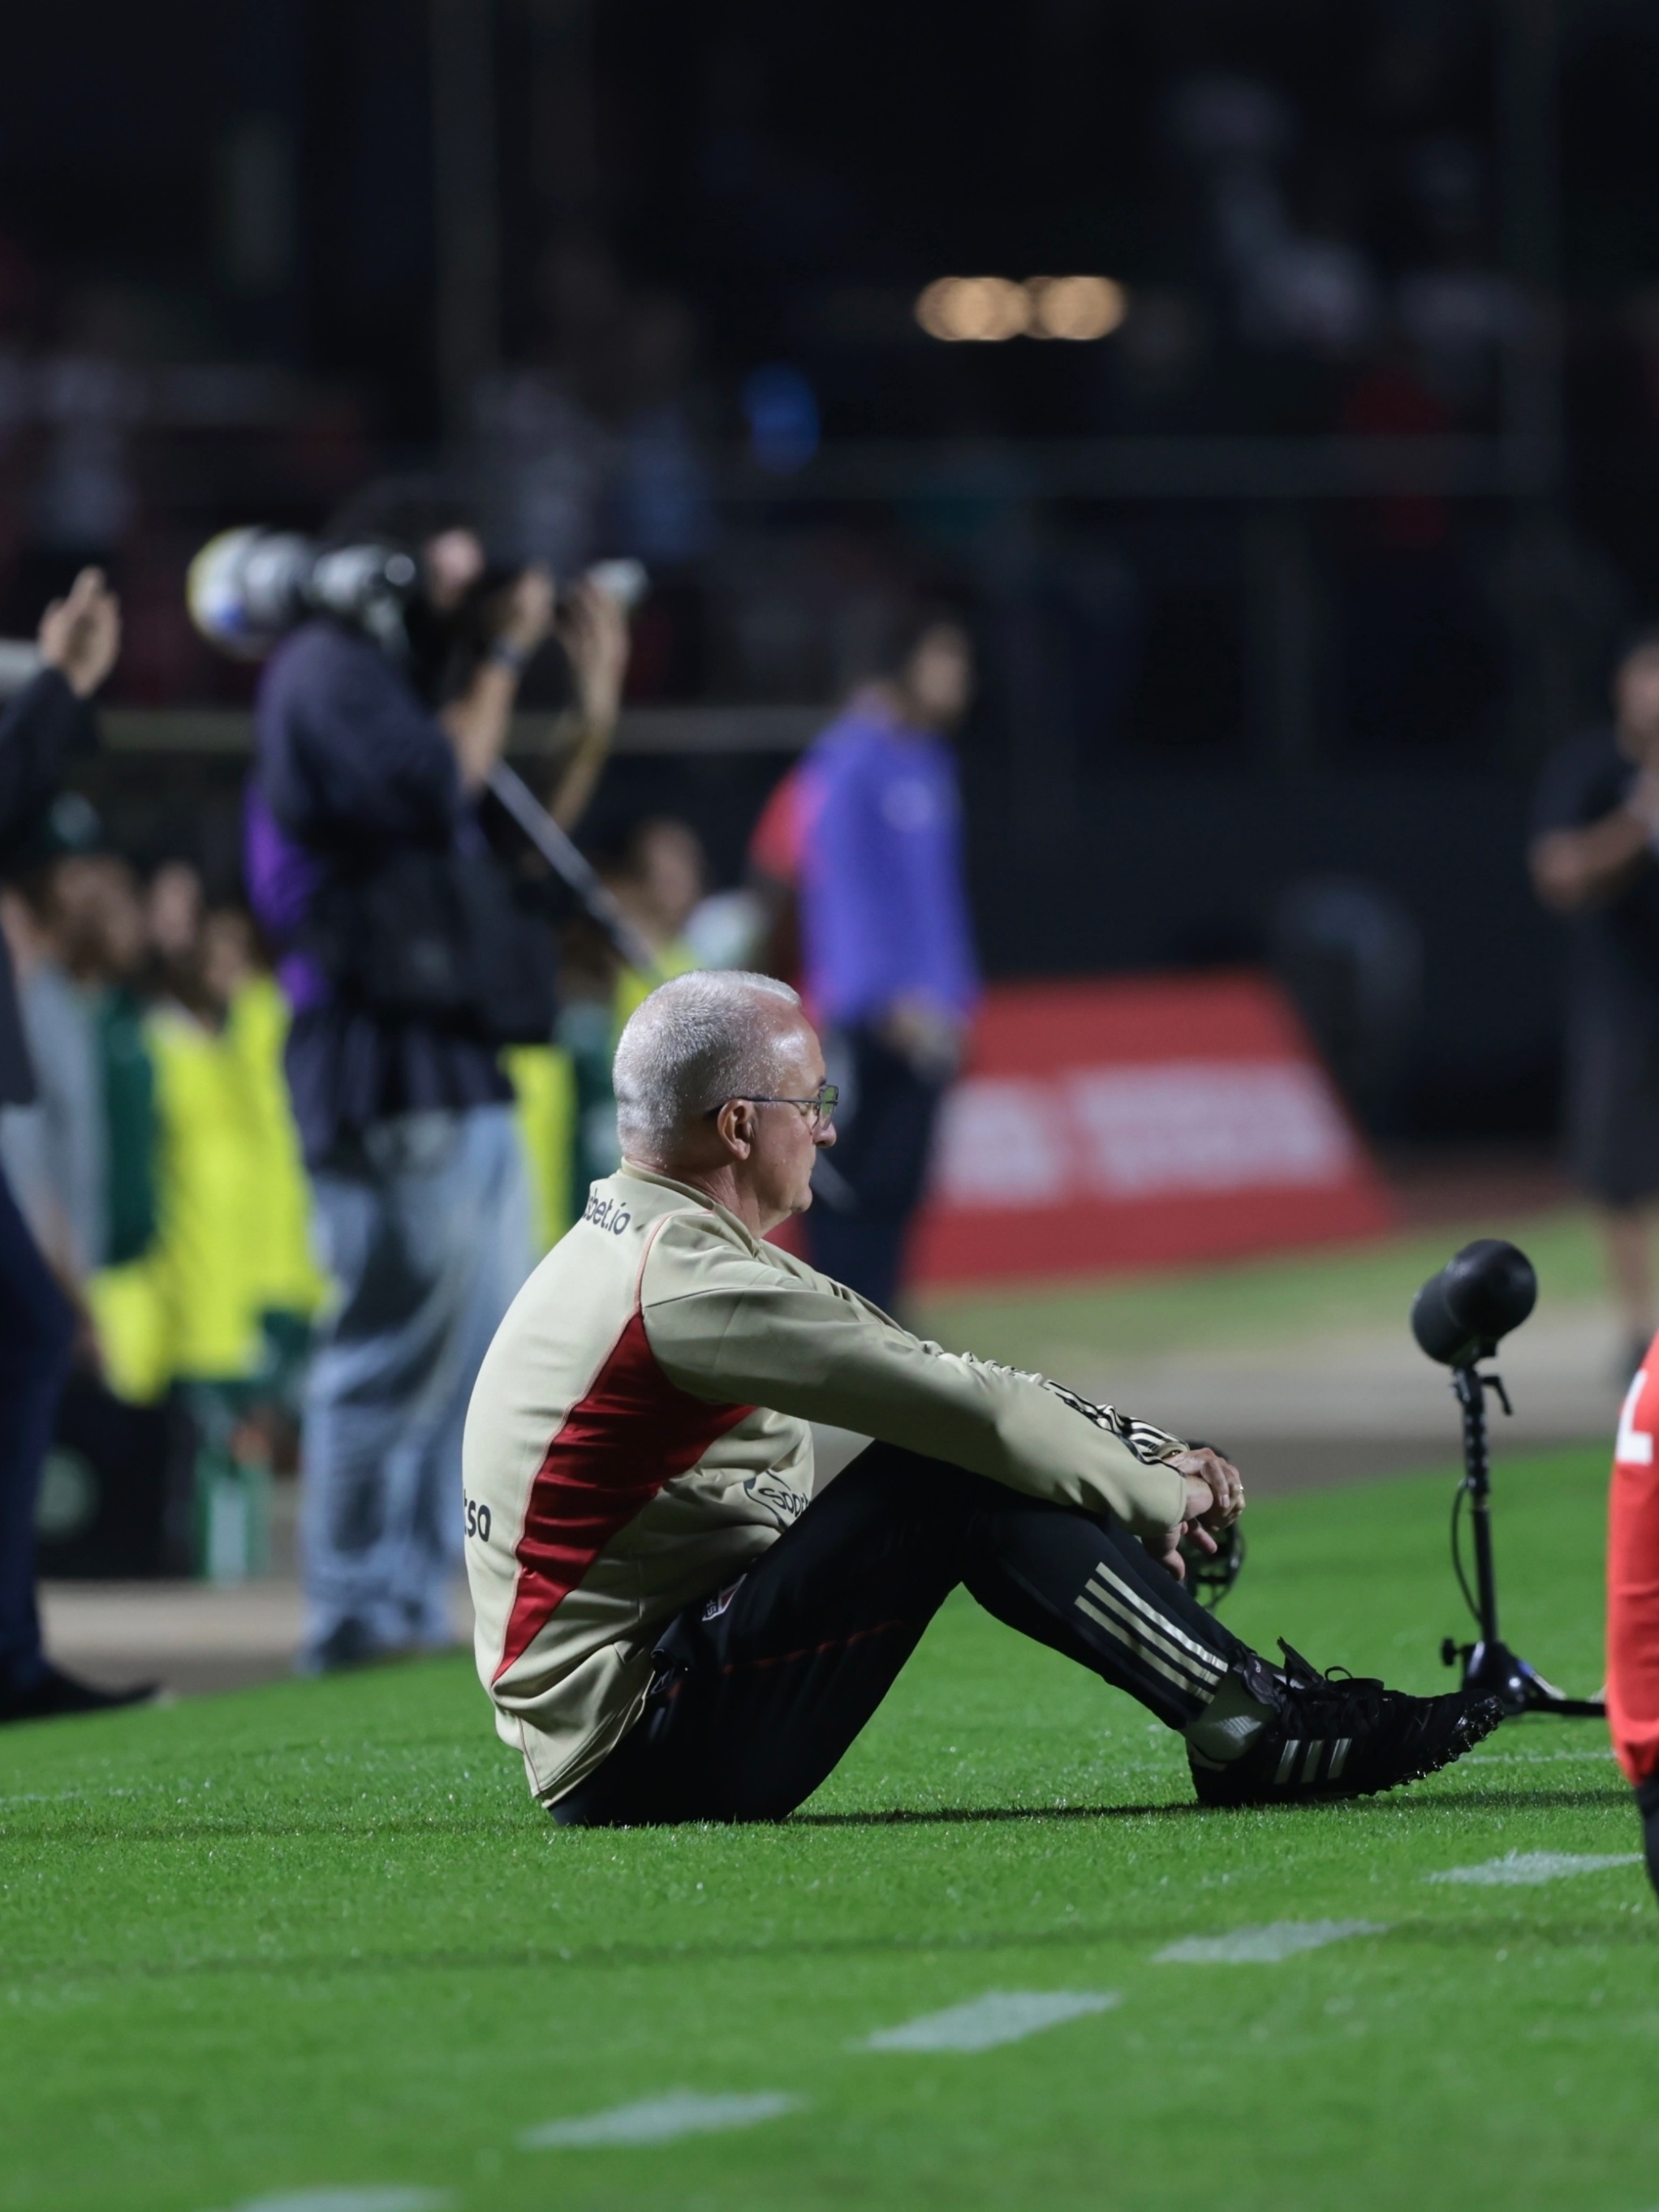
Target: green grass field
(1283,1298)
(314,1938)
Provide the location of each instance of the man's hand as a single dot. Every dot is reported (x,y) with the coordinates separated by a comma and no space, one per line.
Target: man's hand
(592,627)
(926,1035)
(81,635)
(529,614)
(1215,1499)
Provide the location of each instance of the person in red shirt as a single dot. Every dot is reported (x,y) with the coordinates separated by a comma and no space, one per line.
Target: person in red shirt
(1633,1599)
(775,850)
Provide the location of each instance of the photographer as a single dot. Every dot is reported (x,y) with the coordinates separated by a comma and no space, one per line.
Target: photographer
(370,764)
(80,637)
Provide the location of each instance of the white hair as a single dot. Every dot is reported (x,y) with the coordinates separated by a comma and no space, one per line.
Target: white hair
(697,1040)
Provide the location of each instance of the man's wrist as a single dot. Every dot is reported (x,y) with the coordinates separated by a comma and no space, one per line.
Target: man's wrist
(505,653)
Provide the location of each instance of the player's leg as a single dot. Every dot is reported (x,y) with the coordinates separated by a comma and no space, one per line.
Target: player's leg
(1633,1599)
(1612,1138)
(363,1440)
(36,1332)
(1647,1800)
(866,1190)
(766,1685)
(762,1688)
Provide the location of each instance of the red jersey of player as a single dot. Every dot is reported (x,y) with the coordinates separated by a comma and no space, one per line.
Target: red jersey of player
(1633,1598)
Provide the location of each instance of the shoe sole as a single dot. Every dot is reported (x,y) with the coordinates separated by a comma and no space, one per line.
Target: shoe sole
(1475,1726)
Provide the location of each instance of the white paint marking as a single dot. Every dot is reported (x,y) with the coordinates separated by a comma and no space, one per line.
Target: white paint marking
(351,2199)
(1264,1947)
(1525,1869)
(1532,1758)
(677,2113)
(1000,2016)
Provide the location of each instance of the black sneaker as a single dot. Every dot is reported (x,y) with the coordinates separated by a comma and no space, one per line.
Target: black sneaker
(54,1695)
(1340,1735)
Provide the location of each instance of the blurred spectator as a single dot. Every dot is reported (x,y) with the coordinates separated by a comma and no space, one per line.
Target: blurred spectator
(1595,824)
(659,885)
(775,867)
(217,1303)
(588,445)
(172,916)
(365,796)
(79,639)
(655,876)
(53,1149)
(888,950)
(228,1246)
(109,948)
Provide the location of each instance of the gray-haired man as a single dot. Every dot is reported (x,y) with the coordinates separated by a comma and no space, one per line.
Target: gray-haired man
(673,1626)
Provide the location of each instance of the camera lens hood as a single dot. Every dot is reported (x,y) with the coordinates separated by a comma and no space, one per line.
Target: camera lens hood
(1479,1294)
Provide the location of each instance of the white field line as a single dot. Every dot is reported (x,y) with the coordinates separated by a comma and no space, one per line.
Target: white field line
(677,2113)
(1264,1947)
(1532,1758)
(1000,2016)
(351,2199)
(1525,1869)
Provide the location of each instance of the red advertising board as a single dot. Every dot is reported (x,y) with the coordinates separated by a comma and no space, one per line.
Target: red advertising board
(1140,1123)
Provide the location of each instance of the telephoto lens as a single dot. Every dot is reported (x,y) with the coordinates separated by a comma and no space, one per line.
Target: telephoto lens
(1479,1294)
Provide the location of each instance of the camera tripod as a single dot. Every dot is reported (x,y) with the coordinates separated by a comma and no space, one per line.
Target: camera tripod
(1489,1664)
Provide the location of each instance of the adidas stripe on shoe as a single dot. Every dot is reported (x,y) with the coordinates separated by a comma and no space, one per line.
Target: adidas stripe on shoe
(1340,1735)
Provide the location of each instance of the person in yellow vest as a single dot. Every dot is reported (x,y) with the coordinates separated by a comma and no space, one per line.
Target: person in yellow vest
(220,1304)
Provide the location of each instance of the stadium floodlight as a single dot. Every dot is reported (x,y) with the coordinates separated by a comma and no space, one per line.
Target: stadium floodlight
(975,310)
(1077,308)
(985,310)
(1460,1317)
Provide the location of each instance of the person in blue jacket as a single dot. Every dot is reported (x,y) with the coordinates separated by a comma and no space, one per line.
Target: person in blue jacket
(887,945)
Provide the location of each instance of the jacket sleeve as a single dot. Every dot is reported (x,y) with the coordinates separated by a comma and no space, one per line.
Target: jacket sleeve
(44,726)
(733,1329)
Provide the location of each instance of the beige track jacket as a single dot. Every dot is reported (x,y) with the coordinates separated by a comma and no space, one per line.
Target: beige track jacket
(638,1437)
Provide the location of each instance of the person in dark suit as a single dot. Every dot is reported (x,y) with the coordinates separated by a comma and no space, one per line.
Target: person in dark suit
(45,725)
(1595,833)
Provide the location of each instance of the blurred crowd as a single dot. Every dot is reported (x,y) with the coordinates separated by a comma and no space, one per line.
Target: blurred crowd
(208,1183)
(159,1167)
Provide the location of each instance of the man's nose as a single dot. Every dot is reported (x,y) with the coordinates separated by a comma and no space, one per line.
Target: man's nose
(824,1137)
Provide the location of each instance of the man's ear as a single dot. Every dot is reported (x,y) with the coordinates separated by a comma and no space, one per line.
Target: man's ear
(736,1123)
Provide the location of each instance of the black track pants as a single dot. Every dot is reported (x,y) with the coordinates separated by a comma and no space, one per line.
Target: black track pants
(760,1688)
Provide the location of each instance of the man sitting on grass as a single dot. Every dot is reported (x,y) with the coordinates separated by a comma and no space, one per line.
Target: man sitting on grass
(674,1626)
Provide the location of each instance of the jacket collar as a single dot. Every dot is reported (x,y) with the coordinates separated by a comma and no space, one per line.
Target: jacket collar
(630,1171)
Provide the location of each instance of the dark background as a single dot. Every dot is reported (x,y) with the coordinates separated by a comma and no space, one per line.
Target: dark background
(1283,590)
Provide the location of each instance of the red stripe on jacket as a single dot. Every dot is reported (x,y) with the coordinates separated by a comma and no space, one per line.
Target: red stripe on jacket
(633,1432)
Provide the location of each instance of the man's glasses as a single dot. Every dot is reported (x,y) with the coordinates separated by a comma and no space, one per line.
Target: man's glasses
(819,1109)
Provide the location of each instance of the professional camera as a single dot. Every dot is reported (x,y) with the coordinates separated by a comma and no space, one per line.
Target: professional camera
(247,587)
